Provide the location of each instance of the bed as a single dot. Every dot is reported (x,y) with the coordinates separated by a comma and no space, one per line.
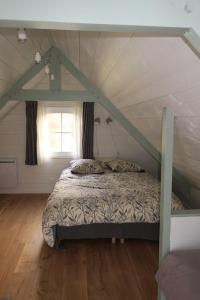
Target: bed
(120,205)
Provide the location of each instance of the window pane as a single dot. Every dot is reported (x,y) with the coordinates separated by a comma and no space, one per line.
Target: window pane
(54,121)
(55,142)
(67,142)
(67,122)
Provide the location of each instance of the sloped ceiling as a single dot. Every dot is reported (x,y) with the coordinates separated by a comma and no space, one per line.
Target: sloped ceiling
(139,74)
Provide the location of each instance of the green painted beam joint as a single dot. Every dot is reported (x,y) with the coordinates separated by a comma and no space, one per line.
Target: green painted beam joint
(166,182)
(53,95)
(55,71)
(26,77)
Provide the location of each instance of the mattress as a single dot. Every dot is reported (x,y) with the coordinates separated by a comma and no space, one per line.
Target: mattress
(104,198)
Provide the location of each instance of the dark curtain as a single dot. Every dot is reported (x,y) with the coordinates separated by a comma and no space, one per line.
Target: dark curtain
(88,130)
(31,133)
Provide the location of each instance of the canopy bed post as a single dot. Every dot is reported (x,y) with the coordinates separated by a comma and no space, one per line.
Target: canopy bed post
(166,184)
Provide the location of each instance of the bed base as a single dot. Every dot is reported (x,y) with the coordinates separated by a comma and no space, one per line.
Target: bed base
(146,231)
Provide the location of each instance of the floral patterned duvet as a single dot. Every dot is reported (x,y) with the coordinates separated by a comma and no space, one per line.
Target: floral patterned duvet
(106,198)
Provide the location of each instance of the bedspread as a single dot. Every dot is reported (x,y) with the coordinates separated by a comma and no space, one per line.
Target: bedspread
(106,198)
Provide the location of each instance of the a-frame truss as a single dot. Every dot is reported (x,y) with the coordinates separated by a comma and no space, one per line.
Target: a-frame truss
(55,58)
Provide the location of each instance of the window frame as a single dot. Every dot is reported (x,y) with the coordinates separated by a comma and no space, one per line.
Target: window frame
(61,108)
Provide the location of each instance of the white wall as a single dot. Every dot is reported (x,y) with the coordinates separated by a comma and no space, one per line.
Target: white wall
(41,179)
(185,232)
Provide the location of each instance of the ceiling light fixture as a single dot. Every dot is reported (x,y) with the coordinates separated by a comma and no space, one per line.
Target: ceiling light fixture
(52,77)
(21,35)
(47,70)
(38,57)
(189,7)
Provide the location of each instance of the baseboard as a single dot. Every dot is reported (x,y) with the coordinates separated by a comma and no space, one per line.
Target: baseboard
(29,189)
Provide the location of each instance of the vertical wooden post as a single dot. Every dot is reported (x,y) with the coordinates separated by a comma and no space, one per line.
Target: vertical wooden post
(166,184)
(55,71)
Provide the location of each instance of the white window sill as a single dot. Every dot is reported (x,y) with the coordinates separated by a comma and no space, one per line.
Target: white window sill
(61,155)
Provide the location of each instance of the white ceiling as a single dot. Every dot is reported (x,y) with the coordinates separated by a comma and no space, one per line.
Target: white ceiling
(140,75)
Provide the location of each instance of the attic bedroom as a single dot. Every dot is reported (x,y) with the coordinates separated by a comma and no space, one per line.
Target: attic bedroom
(83,117)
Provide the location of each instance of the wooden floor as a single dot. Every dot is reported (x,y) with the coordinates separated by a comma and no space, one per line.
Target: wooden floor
(94,270)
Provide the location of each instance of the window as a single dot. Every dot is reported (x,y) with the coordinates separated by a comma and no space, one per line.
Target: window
(59,130)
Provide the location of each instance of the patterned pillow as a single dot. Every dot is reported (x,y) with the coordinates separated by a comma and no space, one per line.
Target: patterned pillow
(86,166)
(121,165)
(103,163)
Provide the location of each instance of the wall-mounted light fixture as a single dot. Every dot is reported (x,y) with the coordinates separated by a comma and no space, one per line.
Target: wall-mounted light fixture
(47,70)
(38,57)
(97,120)
(21,35)
(52,77)
(109,120)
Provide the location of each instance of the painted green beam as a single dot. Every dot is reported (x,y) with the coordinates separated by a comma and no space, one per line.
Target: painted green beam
(166,181)
(185,213)
(55,71)
(166,186)
(48,95)
(29,74)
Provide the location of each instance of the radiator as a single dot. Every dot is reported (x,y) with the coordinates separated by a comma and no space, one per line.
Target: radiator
(8,173)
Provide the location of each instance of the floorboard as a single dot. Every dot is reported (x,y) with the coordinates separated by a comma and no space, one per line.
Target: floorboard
(85,270)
